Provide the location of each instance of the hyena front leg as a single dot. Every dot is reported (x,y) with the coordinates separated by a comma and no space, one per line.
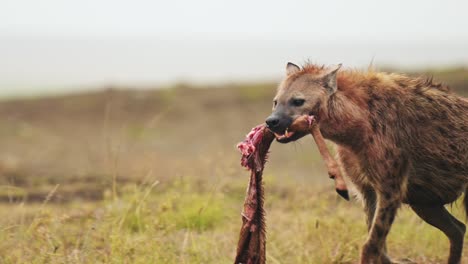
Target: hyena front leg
(370,203)
(389,193)
(373,251)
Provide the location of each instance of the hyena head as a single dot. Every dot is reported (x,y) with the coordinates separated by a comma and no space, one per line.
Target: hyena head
(301,93)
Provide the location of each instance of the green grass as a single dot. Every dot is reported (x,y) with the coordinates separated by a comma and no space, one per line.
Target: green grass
(183,223)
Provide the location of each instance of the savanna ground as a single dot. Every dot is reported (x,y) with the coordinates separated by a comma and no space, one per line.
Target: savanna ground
(153,176)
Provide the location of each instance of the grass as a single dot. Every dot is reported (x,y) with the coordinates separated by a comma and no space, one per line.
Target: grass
(181,223)
(130,176)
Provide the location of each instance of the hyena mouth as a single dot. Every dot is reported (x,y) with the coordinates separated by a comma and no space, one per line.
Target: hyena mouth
(287,134)
(300,127)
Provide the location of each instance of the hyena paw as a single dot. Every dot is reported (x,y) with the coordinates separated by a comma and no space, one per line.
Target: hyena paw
(371,254)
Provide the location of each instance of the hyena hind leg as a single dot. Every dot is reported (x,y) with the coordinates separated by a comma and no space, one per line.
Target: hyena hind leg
(439,217)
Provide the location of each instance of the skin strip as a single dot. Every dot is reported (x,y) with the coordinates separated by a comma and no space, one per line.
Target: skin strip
(252,238)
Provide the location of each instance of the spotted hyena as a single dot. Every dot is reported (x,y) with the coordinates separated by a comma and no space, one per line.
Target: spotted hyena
(399,140)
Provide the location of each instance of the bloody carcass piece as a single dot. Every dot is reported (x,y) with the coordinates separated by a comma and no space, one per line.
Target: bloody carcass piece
(252,238)
(306,122)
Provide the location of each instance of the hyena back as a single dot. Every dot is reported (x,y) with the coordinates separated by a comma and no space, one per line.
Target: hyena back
(399,139)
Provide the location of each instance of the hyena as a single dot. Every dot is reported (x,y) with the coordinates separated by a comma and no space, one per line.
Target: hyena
(399,140)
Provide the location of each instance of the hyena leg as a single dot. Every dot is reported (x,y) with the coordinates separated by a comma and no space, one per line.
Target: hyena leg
(370,204)
(439,217)
(388,174)
(373,251)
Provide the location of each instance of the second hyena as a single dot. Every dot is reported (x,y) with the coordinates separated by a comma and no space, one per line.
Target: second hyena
(400,140)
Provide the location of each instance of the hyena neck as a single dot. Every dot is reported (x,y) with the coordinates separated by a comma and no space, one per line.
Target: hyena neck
(343,120)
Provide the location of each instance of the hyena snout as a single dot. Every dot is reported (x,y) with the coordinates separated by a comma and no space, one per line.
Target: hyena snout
(278,123)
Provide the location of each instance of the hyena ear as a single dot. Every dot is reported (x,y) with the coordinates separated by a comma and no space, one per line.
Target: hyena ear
(329,79)
(291,68)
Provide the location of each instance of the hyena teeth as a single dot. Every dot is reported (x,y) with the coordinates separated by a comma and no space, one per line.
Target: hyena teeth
(310,119)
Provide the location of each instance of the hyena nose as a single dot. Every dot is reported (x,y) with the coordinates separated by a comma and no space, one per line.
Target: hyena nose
(272,122)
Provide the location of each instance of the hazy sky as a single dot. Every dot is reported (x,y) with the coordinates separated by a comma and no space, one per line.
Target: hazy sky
(329,19)
(66,43)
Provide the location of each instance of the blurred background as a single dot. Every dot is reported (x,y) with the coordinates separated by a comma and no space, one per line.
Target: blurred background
(119,121)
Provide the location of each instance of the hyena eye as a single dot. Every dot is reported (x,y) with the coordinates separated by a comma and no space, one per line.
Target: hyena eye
(275,103)
(297,102)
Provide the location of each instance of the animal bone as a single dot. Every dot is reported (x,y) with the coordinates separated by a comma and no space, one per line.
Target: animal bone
(306,123)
